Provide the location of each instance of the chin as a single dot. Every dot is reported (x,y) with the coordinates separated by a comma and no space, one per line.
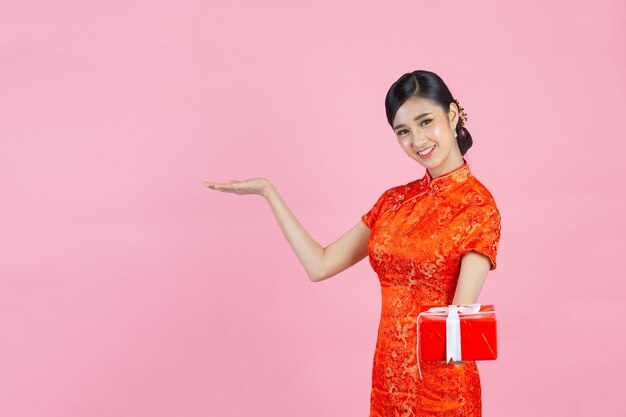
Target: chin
(425,164)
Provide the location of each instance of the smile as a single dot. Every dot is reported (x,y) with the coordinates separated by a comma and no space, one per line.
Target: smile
(426,151)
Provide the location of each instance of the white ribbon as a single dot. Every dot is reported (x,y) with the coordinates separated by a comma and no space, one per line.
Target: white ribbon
(453,328)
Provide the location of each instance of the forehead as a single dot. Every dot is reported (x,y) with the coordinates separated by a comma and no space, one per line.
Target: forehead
(414,106)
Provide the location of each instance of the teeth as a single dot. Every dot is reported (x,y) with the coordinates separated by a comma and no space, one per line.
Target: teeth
(425,151)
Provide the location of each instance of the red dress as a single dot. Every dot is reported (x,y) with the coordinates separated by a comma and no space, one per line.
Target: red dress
(419,231)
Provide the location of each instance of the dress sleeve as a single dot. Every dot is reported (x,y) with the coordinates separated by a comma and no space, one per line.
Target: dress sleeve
(483,232)
(370,217)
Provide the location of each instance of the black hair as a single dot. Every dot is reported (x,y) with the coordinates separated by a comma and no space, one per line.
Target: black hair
(427,84)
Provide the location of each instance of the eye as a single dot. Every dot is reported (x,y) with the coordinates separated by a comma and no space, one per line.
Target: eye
(400,131)
(427,120)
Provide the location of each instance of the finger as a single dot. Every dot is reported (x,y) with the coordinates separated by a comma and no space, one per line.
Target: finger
(213,185)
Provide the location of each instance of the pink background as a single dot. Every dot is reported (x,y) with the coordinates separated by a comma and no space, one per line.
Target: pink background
(129,289)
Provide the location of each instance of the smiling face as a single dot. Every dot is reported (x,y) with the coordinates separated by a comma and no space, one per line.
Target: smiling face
(421,125)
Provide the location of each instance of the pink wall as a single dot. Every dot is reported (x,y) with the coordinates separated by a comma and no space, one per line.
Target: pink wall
(128,289)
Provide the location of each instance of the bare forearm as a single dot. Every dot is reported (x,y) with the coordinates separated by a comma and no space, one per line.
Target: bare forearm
(306,248)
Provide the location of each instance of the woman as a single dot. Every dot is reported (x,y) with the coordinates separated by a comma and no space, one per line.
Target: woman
(432,241)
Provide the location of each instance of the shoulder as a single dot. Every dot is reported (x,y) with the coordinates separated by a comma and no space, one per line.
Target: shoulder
(390,195)
(476,193)
(394,194)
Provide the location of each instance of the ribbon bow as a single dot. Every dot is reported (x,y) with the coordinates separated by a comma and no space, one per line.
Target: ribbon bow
(453,328)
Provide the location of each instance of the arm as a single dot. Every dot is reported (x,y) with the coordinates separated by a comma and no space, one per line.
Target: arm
(474,270)
(346,251)
(478,251)
(319,263)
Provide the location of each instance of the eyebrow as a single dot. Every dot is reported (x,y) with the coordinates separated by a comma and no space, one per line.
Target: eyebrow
(416,119)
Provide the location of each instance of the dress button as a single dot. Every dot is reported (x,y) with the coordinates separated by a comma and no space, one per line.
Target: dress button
(433,190)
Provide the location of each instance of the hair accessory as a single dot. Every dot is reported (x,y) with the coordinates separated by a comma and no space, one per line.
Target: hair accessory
(462,113)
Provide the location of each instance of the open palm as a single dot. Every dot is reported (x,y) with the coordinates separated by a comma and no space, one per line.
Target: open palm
(248,186)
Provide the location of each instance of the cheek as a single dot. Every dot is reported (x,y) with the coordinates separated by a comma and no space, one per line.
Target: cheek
(434,132)
(404,142)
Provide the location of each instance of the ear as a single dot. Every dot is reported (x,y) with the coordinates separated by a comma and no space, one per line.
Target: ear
(453,115)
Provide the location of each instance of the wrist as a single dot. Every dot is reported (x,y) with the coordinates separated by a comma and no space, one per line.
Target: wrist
(268,190)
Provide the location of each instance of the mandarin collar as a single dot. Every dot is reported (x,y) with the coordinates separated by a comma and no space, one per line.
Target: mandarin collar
(457,175)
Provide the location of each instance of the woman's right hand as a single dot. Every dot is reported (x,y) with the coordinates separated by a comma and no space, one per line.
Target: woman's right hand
(249,186)
(318,261)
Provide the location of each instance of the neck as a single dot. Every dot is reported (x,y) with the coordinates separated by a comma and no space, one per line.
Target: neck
(446,167)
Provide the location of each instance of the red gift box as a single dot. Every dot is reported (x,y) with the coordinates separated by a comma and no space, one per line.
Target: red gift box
(472,330)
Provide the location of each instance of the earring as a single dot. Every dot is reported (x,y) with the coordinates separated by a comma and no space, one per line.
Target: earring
(455,135)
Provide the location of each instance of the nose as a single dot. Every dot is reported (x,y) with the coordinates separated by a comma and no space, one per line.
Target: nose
(419,141)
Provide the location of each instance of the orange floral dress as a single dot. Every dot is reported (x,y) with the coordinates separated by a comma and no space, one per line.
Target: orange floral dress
(419,231)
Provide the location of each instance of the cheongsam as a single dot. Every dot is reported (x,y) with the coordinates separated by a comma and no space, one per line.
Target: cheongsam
(419,232)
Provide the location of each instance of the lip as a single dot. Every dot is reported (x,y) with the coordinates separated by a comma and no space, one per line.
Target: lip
(427,155)
(420,150)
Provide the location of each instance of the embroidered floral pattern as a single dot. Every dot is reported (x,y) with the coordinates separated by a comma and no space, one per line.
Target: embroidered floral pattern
(419,232)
